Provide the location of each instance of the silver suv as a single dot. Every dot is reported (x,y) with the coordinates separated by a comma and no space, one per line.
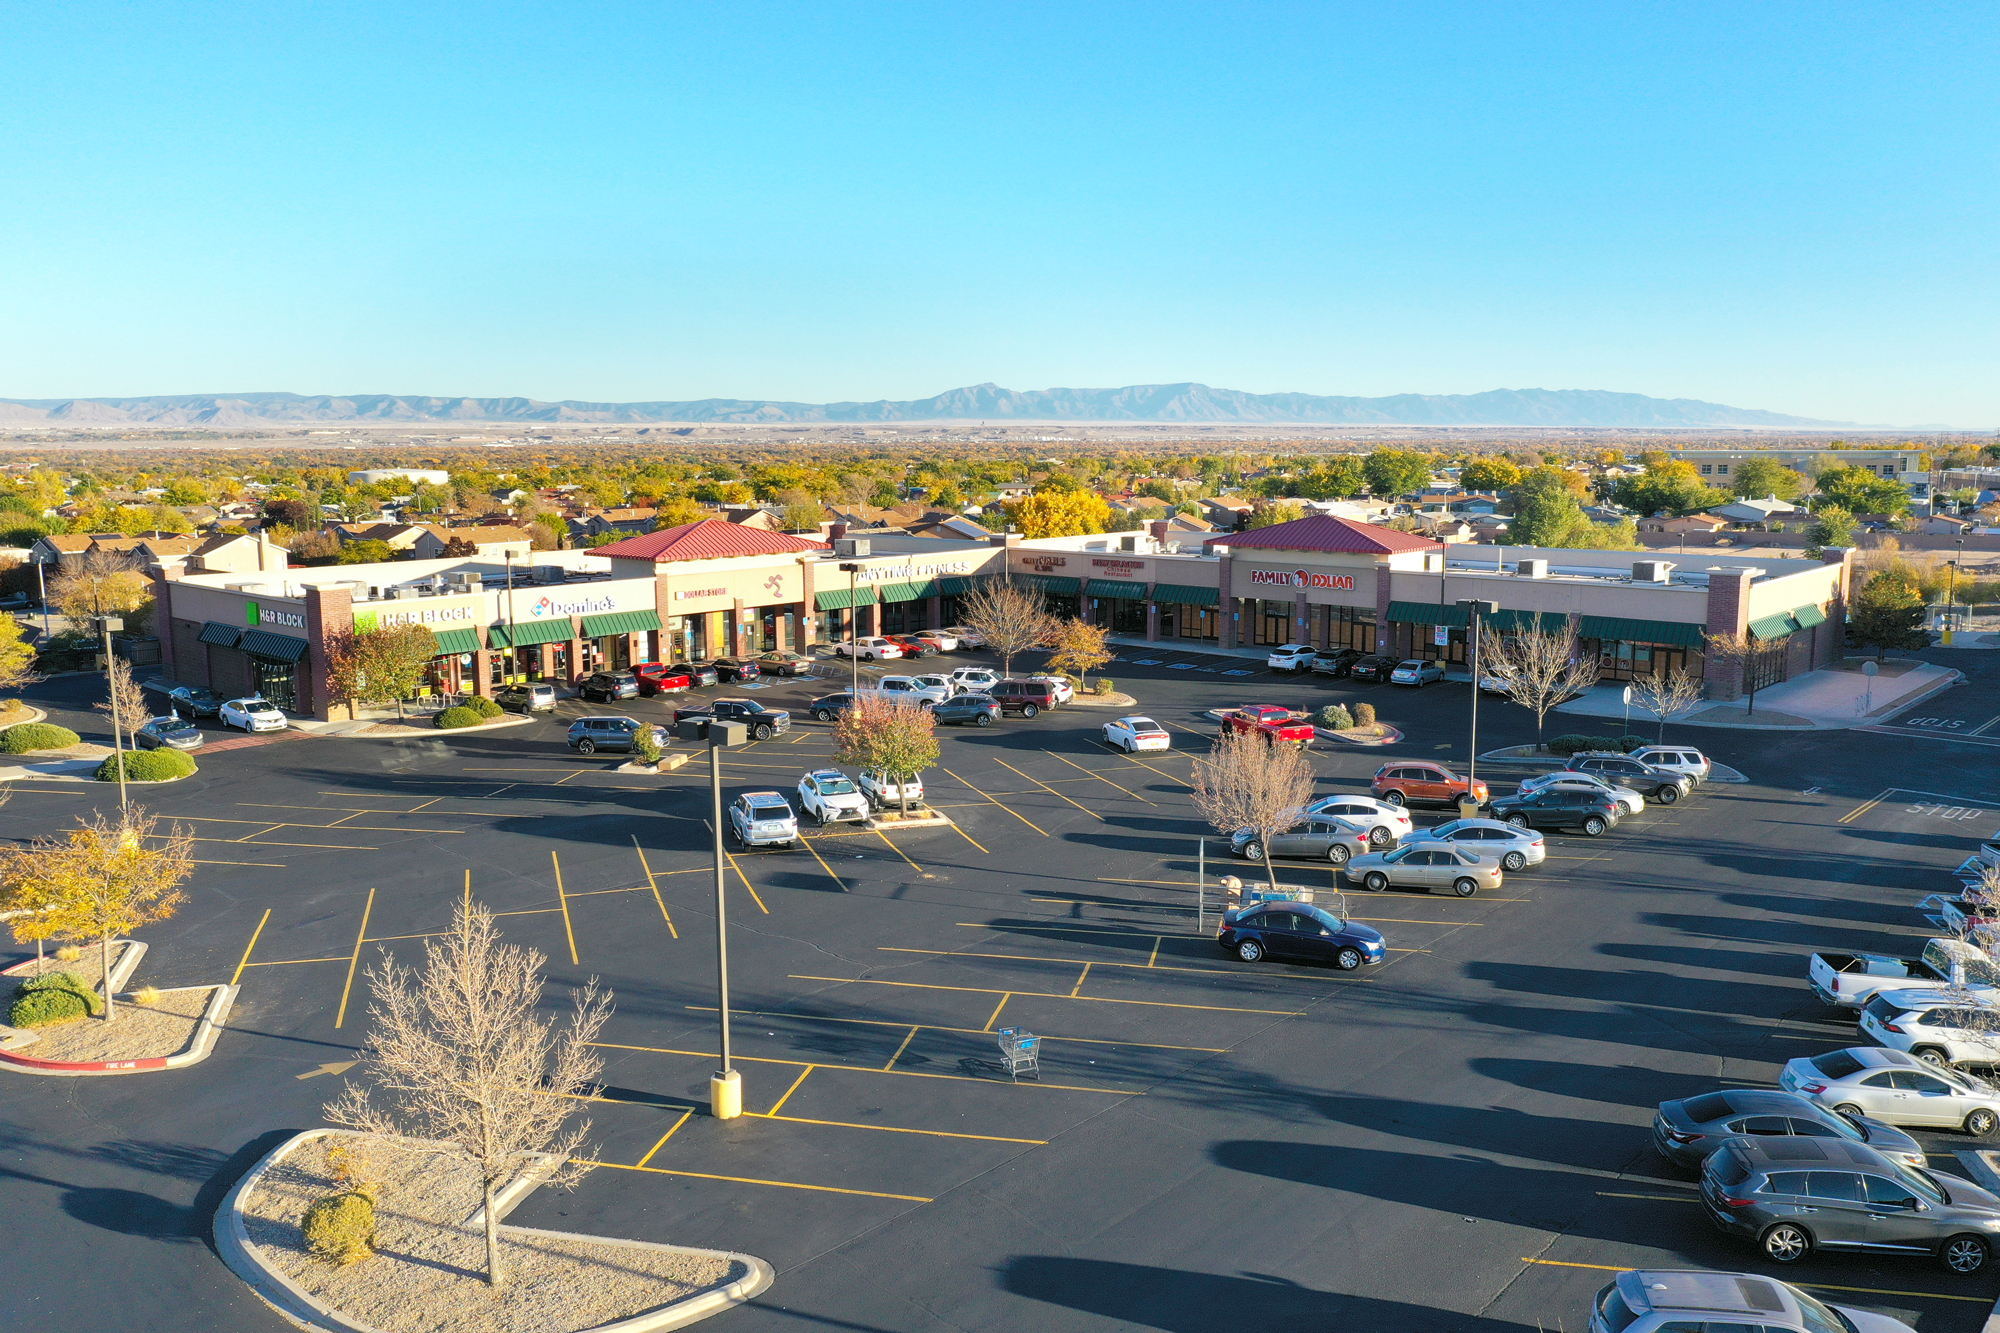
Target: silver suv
(1679,1300)
(1682,759)
(1792,1195)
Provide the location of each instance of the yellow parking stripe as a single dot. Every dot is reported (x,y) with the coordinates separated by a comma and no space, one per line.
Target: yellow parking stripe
(1050,790)
(1009,809)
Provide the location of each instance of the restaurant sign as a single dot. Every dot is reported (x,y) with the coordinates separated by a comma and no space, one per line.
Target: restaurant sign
(689,594)
(1301,578)
(1120,569)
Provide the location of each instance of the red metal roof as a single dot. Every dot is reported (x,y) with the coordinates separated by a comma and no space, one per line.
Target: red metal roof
(1323,532)
(708,539)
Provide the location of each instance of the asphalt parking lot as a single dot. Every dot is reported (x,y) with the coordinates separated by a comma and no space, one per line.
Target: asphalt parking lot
(1455,1139)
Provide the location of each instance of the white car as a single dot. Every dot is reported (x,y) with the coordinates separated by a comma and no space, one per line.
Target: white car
(921,690)
(252,714)
(763,819)
(869,650)
(973,680)
(884,793)
(1515,848)
(1386,824)
(1895,1088)
(1630,800)
(830,796)
(967,637)
(1064,690)
(1292,657)
(1132,734)
(1928,1025)
(946,641)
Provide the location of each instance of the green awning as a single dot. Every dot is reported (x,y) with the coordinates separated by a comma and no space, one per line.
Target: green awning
(909,592)
(1180,594)
(1128,589)
(454,641)
(528,633)
(1514,622)
(840,599)
(620,622)
(277,647)
(1808,616)
(957,585)
(1617,629)
(219,634)
(1048,583)
(1425,613)
(1773,627)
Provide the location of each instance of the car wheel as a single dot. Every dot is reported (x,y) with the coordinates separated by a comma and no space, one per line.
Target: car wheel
(1518,821)
(1374,881)
(1594,825)
(1029,710)
(1253,851)
(1667,795)
(765,731)
(1980,1123)
(983,720)
(1932,1055)
(1250,951)
(1337,853)
(1347,959)
(1393,797)
(1849,1108)
(1513,861)
(1379,836)
(1786,1244)
(586,747)
(823,714)
(1964,1255)
(1465,886)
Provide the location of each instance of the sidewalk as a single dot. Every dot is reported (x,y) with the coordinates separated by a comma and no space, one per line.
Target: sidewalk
(1831,699)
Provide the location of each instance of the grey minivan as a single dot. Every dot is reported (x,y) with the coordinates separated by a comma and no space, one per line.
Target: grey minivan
(1794,1195)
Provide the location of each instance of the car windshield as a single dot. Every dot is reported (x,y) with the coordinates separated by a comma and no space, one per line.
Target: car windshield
(1819,1318)
(1837,1064)
(770,811)
(1325,918)
(1442,829)
(1612,1310)
(1920,1181)
(1412,664)
(836,787)
(1142,724)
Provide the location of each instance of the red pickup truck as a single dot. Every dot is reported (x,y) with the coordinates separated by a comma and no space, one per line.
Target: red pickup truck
(1270,721)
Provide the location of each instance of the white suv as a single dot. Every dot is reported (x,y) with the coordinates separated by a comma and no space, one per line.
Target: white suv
(974,680)
(1682,759)
(829,796)
(1937,1028)
(923,690)
(885,793)
(1064,690)
(869,650)
(1292,657)
(1677,1300)
(763,819)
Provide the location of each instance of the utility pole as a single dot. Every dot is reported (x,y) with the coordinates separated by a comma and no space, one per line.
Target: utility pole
(1474,609)
(852,569)
(725,1086)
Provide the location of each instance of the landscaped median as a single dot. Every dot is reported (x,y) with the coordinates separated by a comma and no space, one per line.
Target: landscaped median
(62,997)
(420,1265)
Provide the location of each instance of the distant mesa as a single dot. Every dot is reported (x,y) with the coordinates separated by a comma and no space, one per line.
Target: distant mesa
(979,402)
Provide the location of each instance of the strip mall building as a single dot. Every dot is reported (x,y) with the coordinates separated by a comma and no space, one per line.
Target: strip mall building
(716,588)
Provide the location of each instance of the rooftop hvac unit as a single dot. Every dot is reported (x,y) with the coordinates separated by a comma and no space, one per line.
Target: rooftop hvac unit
(248,587)
(549,573)
(852,548)
(1532,569)
(1651,571)
(1128,543)
(403,592)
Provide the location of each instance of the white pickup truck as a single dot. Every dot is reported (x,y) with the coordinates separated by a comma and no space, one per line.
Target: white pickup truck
(1850,980)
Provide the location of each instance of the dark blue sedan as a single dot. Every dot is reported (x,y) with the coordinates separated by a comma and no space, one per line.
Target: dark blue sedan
(1298,933)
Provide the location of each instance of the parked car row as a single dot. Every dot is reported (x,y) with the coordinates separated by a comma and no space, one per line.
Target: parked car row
(922,643)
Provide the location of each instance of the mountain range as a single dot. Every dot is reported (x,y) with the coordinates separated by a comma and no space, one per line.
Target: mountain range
(979,402)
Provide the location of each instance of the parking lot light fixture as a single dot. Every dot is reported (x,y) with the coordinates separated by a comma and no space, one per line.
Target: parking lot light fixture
(725,1086)
(1474,609)
(105,625)
(852,568)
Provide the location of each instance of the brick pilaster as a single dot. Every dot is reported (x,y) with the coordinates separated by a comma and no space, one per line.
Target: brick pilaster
(1728,615)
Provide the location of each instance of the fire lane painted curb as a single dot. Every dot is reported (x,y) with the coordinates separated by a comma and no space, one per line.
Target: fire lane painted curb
(232,1242)
(198,1049)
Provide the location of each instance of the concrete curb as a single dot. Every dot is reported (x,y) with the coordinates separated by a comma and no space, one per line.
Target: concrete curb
(122,967)
(232,1242)
(1112,700)
(198,1048)
(1390,738)
(935,819)
(323,730)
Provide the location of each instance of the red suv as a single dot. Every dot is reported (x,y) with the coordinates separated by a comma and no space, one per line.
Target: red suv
(1026,697)
(1407,783)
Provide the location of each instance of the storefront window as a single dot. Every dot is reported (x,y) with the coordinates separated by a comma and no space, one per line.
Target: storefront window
(276,681)
(1274,622)
(1619,660)
(1127,615)
(1188,622)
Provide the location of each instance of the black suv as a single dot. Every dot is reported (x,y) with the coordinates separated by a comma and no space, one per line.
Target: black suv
(1590,812)
(1662,786)
(605,686)
(1026,697)
(590,734)
(1373,667)
(763,722)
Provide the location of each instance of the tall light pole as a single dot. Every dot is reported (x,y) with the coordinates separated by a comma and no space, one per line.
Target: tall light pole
(852,569)
(42,582)
(725,1086)
(1474,608)
(105,624)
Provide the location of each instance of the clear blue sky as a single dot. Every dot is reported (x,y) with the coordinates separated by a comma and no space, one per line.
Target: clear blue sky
(1778,205)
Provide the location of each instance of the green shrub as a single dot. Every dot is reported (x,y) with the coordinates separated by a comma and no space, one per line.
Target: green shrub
(1364,715)
(485,707)
(1104,685)
(1571,744)
(69,982)
(39,1008)
(147,766)
(1335,718)
(29,736)
(458,717)
(340,1228)
(646,746)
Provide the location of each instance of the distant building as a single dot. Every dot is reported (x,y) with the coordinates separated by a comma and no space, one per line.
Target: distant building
(371,476)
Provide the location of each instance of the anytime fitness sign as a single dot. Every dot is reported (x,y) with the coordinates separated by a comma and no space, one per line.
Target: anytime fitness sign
(1300,578)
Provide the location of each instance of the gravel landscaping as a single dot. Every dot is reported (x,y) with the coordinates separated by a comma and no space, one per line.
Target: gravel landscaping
(427,1273)
(139,1032)
(85,966)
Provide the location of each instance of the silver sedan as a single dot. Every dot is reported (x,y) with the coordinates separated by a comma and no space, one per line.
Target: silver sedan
(1895,1087)
(1426,866)
(1565,777)
(1514,848)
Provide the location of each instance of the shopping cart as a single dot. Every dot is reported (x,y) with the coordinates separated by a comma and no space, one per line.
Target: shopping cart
(1020,1053)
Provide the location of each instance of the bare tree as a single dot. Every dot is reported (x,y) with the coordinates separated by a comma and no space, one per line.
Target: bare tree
(1011,620)
(1539,669)
(130,706)
(1741,652)
(1247,783)
(462,1053)
(1668,696)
